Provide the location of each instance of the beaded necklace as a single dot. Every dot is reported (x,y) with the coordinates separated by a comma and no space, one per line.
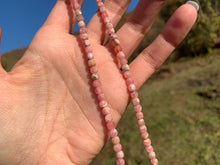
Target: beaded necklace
(124,67)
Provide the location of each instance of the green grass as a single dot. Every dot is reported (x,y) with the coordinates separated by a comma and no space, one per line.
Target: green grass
(182,112)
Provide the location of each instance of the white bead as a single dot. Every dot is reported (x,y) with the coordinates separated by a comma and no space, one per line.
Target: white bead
(90,56)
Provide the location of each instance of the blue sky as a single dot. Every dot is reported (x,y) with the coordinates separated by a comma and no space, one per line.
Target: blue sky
(20,20)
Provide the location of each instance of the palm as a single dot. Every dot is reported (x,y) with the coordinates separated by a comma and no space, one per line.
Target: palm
(48,99)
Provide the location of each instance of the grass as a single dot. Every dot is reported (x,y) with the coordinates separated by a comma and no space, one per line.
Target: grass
(182,111)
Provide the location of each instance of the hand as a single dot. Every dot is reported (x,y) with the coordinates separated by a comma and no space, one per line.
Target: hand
(48,112)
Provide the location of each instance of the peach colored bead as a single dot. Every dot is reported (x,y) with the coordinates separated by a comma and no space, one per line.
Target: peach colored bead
(113,36)
(115,42)
(147,142)
(108,118)
(84,36)
(152,155)
(117,49)
(135,101)
(101,96)
(79,18)
(120,154)
(102,104)
(111,30)
(134,94)
(96,83)
(99,4)
(154,162)
(83,30)
(91,62)
(143,128)
(98,90)
(88,49)
(120,162)
(81,24)
(78,12)
(141,122)
(93,69)
(127,74)
(117,147)
(113,133)
(149,149)
(131,87)
(104,15)
(138,108)
(110,125)
(106,110)
(123,61)
(144,135)
(109,25)
(86,42)
(139,115)
(107,20)
(120,55)
(102,9)
(115,140)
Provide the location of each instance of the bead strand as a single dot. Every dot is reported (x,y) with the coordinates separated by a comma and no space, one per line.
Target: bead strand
(124,67)
(105,108)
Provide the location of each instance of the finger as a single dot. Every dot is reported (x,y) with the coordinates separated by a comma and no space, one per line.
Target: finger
(138,24)
(172,34)
(115,10)
(61,16)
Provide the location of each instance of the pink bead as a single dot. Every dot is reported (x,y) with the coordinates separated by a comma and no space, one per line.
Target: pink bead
(131,88)
(134,94)
(110,125)
(149,149)
(144,135)
(104,15)
(123,61)
(113,133)
(147,142)
(129,81)
(98,90)
(115,140)
(102,9)
(139,115)
(88,49)
(121,55)
(108,118)
(141,122)
(109,25)
(127,74)
(106,111)
(101,96)
(93,69)
(152,155)
(84,36)
(154,162)
(102,104)
(96,83)
(83,30)
(120,162)
(138,108)
(107,20)
(120,154)
(75,4)
(135,101)
(143,128)
(111,30)
(117,147)
(81,24)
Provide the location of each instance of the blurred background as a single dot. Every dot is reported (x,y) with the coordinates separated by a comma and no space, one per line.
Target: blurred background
(181,100)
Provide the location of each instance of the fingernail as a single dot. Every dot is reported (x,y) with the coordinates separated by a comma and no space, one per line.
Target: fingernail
(194,4)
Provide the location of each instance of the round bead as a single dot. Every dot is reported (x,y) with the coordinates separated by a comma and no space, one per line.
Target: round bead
(120,154)
(120,55)
(102,104)
(102,9)
(147,142)
(108,118)
(117,147)
(113,36)
(84,36)
(134,94)
(117,49)
(96,83)
(101,96)
(110,125)
(138,108)
(81,24)
(115,42)
(86,42)
(98,90)
(100,3)
(152,155)
(115,140)
(143,128)
(90,56)
(120,162)
(127,74)
(91,63)
(93,69)
(139,115)
(79,18)
(107,20)
(141,122)
(154,162)
(144,135)
(76,6)
(104,15)
(129,81)
(113,133)
(83,30)
(88,49)
(109,25)
(123,61)
(95,76)
(135,101)
(125,67)
(131,87)
(106,110)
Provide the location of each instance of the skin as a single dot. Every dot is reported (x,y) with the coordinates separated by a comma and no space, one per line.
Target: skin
(48,110)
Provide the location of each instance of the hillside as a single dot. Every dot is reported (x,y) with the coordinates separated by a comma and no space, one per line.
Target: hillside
(182,110)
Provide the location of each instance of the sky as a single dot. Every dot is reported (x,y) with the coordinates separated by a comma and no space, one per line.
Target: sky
(20,20)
